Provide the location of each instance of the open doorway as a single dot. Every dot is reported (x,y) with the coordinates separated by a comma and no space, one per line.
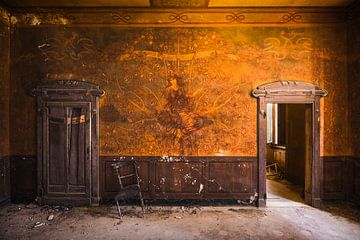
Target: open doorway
(288,151)
(291,92)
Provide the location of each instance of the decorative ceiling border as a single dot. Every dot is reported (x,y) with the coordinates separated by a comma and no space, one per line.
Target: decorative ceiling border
(169,17)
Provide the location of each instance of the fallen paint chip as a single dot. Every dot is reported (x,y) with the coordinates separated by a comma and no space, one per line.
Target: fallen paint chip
(39,224)
(51,217)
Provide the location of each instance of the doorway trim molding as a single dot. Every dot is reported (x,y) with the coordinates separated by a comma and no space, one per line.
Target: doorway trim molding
(289,92)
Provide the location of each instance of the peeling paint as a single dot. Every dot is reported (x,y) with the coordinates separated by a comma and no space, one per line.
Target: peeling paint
(170,159)
(162,180)
(187,177)
(40,18)
(44,45)
(35,21)
(63,21)
(201,187)
(4,15)
(13,20)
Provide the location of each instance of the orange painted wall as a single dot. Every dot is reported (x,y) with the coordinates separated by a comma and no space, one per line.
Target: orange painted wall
(4,82)
(180,90)
(354,81)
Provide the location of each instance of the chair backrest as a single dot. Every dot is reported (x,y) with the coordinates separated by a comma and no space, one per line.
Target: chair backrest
(126,171)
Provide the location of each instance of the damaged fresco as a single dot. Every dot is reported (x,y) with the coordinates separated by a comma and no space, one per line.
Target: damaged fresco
(180,91)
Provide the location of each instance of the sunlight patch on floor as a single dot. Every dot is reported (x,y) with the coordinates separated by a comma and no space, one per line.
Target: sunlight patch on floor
(281,193)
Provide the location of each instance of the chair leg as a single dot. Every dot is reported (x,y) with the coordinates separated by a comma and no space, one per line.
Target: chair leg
(118,208)
(142,203)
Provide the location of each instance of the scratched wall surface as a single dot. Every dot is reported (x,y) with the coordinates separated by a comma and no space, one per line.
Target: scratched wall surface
(180,91)
(4,82)
(354,82)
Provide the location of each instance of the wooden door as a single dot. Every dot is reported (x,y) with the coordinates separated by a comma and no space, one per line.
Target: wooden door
(67,137)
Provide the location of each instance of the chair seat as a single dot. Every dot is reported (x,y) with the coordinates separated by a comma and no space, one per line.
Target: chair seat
(130,187)
(128,192)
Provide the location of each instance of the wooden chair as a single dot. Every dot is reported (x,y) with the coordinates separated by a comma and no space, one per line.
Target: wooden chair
(127,171)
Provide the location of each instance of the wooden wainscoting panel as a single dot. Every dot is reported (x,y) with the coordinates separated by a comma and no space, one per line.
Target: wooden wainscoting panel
(232,176)
(178,177)
(187,177)
(334,177)
(353,179)
(109,184)
(23,177)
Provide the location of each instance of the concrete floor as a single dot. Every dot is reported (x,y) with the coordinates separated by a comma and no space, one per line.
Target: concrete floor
(282,193)
(282,219)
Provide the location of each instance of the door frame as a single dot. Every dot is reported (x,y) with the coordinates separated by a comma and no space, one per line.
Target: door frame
(68,91)
(289,92)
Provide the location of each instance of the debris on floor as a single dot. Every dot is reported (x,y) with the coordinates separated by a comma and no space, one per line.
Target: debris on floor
(251,201)
(39,224)
(178,222)
(50,217)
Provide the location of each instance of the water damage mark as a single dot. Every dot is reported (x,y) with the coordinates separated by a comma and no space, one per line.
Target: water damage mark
(110,114)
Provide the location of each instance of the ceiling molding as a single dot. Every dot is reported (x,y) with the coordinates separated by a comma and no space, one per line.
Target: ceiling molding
(75,3)
(186,17)
(176,3)
(280,3)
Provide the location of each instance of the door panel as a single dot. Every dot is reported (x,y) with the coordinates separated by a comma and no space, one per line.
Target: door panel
(68,127)
(77,147)
(57,146)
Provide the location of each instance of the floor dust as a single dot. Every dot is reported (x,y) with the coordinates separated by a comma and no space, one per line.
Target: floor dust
(277,221)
